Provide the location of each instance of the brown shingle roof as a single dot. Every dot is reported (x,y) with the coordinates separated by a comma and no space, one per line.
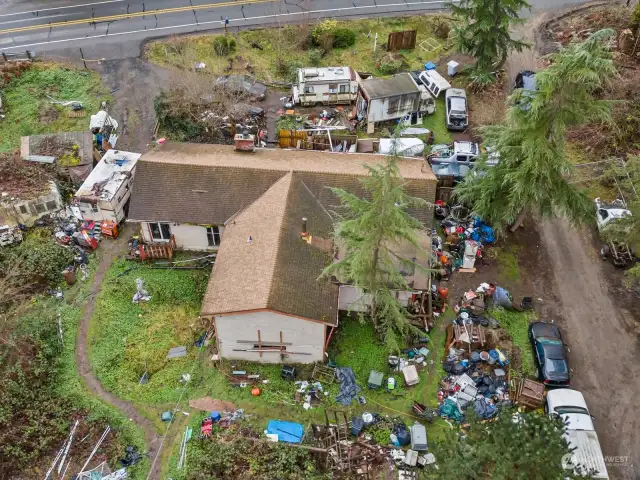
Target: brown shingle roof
(194,193)
(277,270)
(207,184)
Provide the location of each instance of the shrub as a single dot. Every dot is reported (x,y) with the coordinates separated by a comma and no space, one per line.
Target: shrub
(223,45)
(325,27)
(343,37)
(389,65)
(315,56)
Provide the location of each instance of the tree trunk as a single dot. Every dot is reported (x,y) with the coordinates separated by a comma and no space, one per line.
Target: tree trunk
(518,223)
(374,289)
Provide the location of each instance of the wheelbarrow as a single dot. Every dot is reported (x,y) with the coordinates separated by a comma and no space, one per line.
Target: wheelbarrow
(424,412)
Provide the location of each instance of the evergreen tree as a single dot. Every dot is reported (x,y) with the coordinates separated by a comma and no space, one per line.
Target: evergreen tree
(532,174)
(483,31)
(515,446)
(368,230)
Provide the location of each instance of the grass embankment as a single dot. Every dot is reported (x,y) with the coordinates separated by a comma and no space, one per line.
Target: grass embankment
(28,110)
(517,324)
(69,383)
(264,49)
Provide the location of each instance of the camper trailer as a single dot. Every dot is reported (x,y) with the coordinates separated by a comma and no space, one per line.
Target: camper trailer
(325,86)
(383,99)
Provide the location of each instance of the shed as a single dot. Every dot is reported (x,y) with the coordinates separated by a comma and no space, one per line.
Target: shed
(73,151)
(383,99)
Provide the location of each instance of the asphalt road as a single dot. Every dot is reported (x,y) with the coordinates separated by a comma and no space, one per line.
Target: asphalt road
(114,29)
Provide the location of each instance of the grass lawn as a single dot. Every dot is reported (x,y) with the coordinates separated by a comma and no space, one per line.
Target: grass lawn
(289,41)
(29,111)
(127,340)
(517,324)
(437,124)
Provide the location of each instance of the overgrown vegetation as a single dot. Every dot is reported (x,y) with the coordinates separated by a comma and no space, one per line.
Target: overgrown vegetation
(517,325)
(512,446)
(40,390)
(532,176)
(237,454)
(274,54)
(30,267)
(28,110)
(483,30)
(370,230)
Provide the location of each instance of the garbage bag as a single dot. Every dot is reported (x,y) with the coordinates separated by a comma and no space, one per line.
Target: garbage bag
(348,388)
(483,409)
(450,410)
(402,434)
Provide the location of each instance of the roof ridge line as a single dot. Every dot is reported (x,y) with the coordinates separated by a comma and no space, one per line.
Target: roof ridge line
(280,234)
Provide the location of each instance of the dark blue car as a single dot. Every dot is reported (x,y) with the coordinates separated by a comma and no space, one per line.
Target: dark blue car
(550,354)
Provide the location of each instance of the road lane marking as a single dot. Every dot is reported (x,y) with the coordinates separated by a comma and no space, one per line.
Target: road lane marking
(125,16)
(59,8)
(231,20)
(33,19)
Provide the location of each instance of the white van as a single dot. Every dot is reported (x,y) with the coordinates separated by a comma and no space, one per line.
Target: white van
(580,433)
(434,82)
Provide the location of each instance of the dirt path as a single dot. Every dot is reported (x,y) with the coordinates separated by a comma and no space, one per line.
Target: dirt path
(604,348)
(109,251)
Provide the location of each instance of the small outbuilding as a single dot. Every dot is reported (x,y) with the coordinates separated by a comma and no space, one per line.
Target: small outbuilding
(397,97)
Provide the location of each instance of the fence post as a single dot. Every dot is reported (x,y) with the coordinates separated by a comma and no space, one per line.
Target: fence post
(83,60)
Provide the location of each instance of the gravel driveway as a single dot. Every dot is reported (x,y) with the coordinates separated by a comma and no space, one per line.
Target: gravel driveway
(603,339)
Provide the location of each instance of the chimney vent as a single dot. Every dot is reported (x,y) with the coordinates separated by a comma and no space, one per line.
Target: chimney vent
(304,225)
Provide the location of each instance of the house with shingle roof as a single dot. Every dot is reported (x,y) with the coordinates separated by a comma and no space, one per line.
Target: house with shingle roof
(269,216)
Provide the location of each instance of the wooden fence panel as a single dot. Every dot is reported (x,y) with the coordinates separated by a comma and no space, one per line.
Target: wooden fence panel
(405,40)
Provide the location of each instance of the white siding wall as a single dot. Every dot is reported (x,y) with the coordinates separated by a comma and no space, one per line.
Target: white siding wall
(304,336)
(379,107)
(188,237)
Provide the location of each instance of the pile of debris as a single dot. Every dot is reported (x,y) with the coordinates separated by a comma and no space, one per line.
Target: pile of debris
(477,365)
(351,450)
(465,238)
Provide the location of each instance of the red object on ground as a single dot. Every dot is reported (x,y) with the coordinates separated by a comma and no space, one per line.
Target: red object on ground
(256,392)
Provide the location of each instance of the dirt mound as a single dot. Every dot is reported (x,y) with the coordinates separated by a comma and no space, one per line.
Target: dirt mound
(209,404)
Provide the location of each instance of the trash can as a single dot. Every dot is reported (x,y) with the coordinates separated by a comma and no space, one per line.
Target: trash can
(452,68)
(493,357)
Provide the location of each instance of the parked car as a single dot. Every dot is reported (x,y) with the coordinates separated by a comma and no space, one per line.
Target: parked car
(526,81)
(434,82)
(608,214)
(457,112)
(580,433)
(550,354)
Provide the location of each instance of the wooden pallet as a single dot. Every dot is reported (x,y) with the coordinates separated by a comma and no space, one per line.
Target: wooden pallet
(76,114)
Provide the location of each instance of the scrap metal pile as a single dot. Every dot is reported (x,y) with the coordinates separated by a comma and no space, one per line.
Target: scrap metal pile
(478,369)
(464,239)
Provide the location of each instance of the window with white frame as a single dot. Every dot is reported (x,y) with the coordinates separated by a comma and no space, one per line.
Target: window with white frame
(160,231)
(213,236)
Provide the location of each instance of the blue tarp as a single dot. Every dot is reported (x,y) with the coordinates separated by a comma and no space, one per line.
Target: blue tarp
(289,432)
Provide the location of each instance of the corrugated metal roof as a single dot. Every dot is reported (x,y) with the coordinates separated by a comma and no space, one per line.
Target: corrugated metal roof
(401,84)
